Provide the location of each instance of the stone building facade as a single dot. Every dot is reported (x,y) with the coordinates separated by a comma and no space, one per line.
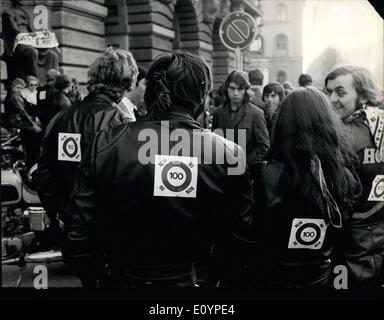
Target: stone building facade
(145,27)
(281,36)
(150,27)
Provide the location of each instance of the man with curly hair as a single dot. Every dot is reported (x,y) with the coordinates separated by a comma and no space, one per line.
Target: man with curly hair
(70,132)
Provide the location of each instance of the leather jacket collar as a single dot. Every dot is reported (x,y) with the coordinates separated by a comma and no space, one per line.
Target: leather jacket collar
(180,114)
(100,97)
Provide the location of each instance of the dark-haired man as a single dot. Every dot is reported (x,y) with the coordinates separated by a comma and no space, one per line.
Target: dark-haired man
(273,96)
(156,197)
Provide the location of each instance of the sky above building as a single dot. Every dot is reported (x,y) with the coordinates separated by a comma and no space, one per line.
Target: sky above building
(351,26)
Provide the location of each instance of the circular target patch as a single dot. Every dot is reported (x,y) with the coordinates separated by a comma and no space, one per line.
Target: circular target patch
(175,176)
(307,233)
(69,148)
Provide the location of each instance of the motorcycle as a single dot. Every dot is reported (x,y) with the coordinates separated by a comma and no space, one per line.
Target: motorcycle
(24,222)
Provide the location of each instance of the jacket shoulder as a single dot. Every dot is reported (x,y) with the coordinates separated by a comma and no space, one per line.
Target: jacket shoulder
(107,137)
(268,177)
(86,109)
(255,110)
(233,150)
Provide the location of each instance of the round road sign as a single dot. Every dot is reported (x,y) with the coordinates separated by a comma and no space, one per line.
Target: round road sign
(238,30)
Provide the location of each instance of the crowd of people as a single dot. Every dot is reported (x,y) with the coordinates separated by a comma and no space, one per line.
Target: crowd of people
(29,107)
(310,196)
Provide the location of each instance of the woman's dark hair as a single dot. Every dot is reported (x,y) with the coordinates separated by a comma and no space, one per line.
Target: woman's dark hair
(241,79)
(177,79)
(113,73)
(305,126)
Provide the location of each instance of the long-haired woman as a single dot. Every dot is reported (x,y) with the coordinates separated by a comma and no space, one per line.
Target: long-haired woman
(303,194)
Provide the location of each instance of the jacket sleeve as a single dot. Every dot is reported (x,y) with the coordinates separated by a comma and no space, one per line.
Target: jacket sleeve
(261,136)
(46,182)
(18,117)
(240,200)
(80,247)
(232,248)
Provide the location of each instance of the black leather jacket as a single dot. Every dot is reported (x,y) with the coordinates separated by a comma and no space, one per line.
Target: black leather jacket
(116,214)
(16,115)
(55,178)
(294,239)
(364,243)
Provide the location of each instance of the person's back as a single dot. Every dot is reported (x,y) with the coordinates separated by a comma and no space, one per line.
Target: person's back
(256,98)
(67,137)
(303,194)
(72,131)
(295,250)
(172,210)
(156,205)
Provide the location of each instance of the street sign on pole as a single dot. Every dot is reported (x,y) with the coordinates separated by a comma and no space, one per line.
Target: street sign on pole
(237,31)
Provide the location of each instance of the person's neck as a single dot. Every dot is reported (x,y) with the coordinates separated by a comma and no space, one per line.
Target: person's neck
(235,106)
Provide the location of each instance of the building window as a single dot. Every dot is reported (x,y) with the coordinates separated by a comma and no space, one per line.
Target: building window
(177,39)
(281,76)
(113,10)
(281,45)
(281,12)
(258,45)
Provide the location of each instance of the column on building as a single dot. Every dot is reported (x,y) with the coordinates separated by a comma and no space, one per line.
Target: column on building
(223,59)
(160,26)
(195,28)
(150,29)
(80,30)
(116,24)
